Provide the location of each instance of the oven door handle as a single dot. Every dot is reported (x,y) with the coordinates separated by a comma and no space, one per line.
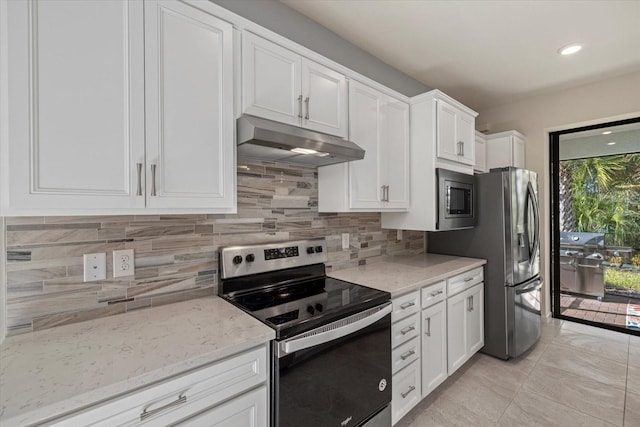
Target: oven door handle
(330,332)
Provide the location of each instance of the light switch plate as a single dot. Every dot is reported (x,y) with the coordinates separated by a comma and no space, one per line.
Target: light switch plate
(95,266)
(345,240)
(123,263)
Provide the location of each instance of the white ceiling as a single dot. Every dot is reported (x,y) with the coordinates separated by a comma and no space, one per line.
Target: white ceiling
(487,53)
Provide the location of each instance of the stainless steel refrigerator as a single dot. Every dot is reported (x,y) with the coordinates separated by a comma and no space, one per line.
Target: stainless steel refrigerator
(507,236)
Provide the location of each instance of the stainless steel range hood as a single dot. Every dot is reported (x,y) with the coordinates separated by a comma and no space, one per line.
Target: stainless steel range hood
(268,140)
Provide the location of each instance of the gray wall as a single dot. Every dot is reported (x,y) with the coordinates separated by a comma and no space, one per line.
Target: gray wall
(293,25)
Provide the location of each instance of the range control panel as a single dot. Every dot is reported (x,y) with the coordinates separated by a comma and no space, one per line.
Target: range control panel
(238,261)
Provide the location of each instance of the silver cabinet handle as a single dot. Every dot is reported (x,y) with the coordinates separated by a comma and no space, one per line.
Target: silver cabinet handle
(382,193)
(407,305)
(468,279)
(428,333)
(470,303)
(153,180)
(406,393)
(407,355)
(386,199)
(433,294)
(408,329)
(462,145)
(300,106)
(139,190)
(306,101)
(179,401)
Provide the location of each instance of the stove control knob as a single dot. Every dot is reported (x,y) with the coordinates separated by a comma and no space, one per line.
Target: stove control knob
(318,249)
(310,309)
(310,250)
(237,259)
(250,258)
(319,307)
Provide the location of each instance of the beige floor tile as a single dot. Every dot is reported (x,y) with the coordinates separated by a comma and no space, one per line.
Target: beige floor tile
(632,410)
(533,410)
(581,393)
(603,347)
(498,373)
(633,379)
(485,400)
(551,321)
(634,355)
(444,412)
(634,341)
(593,331)
(578,362)
(548,331)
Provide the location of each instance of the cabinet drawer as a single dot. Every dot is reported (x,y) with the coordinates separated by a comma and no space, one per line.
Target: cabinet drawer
(464,281)
(179,397)
(406,391)
(434,293)
(405,329)
(405,305)
(405,354)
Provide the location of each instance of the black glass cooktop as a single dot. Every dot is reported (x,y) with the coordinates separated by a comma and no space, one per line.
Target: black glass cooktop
(299,299)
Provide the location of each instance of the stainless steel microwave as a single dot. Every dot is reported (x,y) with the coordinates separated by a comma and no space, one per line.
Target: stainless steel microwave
(457,204)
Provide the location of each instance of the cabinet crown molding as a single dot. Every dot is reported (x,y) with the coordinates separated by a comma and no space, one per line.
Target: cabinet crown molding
(505,133)
(439,95)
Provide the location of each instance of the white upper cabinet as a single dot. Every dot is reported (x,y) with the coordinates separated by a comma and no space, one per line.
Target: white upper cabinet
(455,133)
(505,149)
(281,85)
(379,124)
(76,104)
(81,76)
(480,153)
(190,151)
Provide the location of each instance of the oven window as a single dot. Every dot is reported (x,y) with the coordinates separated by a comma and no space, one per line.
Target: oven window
(458,200)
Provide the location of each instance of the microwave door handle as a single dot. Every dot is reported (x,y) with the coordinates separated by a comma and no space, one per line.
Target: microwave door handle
(297,344)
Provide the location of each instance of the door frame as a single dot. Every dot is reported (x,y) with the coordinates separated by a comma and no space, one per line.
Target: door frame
(554,213)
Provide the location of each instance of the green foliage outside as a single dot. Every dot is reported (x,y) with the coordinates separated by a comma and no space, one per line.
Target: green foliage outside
(622,279)
(605,197)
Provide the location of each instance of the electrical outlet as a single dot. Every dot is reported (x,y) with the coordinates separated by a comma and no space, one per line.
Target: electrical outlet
(399,235)
(345,240)
(123,263)
(95,266)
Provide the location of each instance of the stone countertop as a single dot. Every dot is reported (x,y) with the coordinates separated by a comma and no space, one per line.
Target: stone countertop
(402,274)
(52,372)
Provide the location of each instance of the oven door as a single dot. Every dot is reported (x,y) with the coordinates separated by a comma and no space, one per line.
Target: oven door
(336,375)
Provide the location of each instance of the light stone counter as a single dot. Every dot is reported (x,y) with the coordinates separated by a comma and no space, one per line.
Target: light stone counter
(402,274)
(51,372)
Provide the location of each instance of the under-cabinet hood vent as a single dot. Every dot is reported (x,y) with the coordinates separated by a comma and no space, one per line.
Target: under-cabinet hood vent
(278,142)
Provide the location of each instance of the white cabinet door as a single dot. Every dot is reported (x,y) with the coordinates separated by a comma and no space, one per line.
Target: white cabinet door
(480,153)
(75,97)
(434,347)
(394,154)
(325,99)
(456,331)
(247,410)
(475,319)
(271,85)
(365,187)
(455,134)
(518,152)
(189,93)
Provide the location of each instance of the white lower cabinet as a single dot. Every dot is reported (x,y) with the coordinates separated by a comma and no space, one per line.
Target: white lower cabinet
(465,317)
(231,392)
(406,391)
(434,347)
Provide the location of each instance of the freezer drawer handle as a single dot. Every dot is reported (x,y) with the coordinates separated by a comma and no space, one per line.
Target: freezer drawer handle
(179,401)
(407,305)
(406,393)
(408,329)
(407,355)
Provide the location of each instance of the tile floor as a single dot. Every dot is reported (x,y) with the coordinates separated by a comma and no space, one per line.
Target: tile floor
(576,375)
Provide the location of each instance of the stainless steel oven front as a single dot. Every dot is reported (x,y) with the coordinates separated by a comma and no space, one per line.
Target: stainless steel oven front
(336,375)
(457,204)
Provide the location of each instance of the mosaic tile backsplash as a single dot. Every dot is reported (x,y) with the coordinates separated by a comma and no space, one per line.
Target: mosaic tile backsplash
(175,255)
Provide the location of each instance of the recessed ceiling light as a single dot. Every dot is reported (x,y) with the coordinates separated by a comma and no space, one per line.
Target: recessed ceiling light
(607,132)
(611,143)
(570,49)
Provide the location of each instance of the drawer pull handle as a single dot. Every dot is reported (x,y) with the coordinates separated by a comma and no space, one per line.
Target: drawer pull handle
(433,294)
(428,333)
(179,401)
(408,354)
(408,329)
(406,393)
(407,305)
(468,279)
